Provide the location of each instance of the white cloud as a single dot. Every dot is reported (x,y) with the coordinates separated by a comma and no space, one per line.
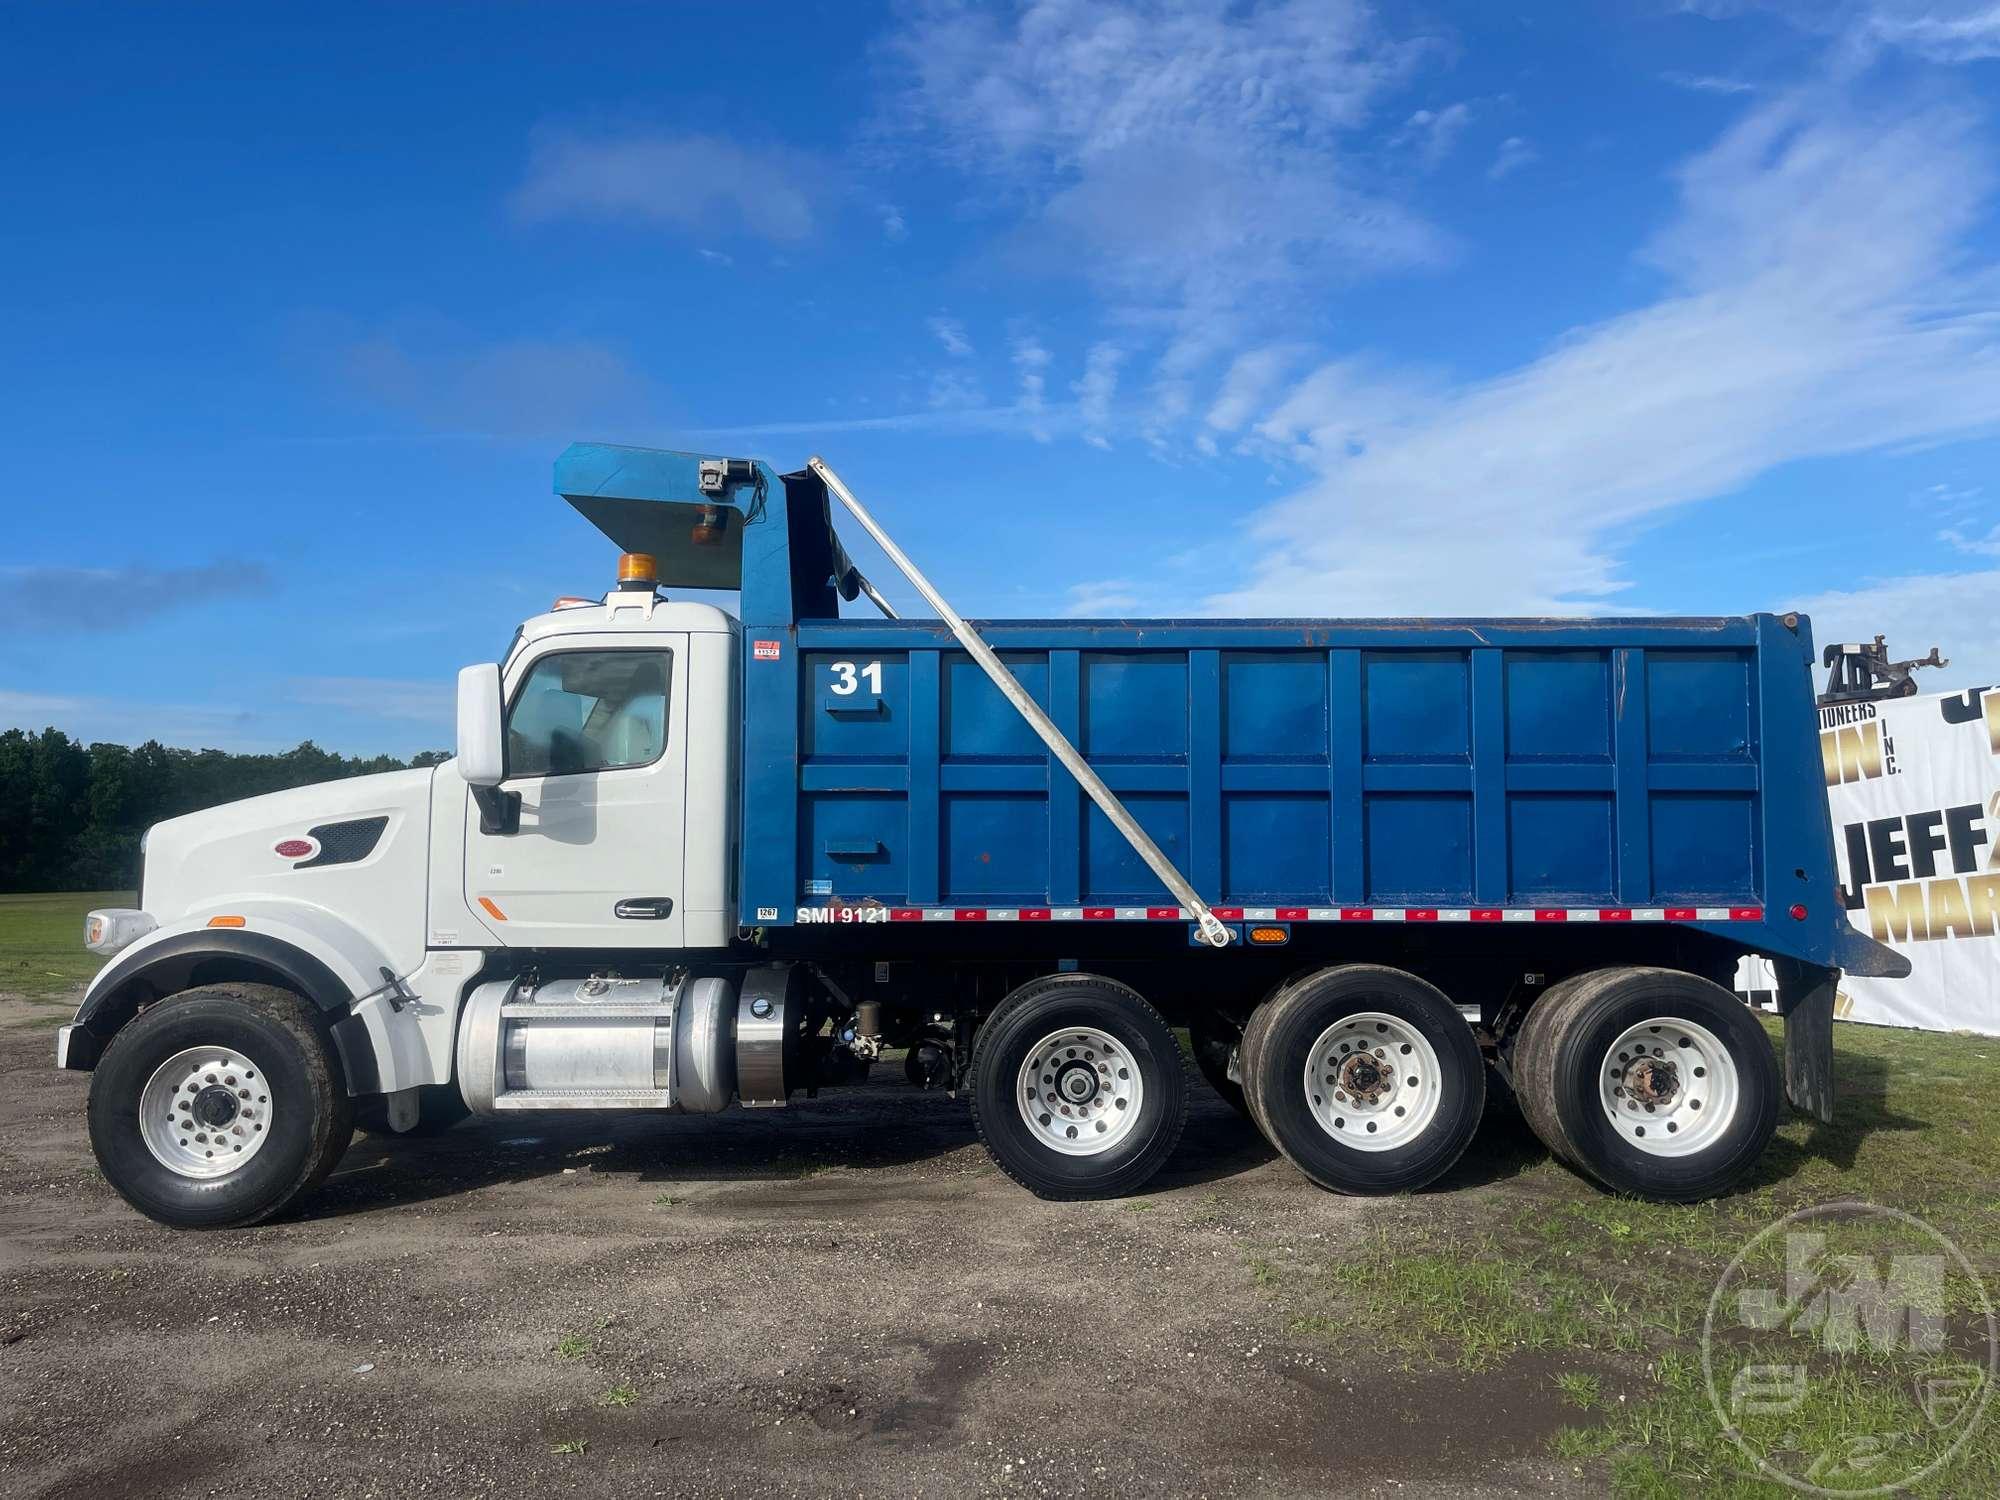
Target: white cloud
(1106,596)
(690,182)
(716,257)
(1708,83)
(1248,382)
(955,388)
(421,700)
(1515,153)
(126,721)
(1782,334)
(1096,390)
(1431,133)
(1938,30)
(1957,612)
(894,227)
(517,387)
(1189,159)
(1943,31)
(950,333)
(1982,546)
(1031,364)
(67,599)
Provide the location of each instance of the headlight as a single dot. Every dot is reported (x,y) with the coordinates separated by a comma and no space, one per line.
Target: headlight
(114,929)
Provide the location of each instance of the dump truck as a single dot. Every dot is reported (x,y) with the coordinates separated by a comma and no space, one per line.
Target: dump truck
(687,859)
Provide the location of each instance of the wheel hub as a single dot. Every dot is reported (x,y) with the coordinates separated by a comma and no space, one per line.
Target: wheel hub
(206,1111)
(1080,1091)
(1668,1086)
(1653,1081)
(215,1106)
(1077,1083)
(1374,1081)
(1366,1077)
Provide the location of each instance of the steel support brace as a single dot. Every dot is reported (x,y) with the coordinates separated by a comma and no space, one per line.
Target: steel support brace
(1213,931)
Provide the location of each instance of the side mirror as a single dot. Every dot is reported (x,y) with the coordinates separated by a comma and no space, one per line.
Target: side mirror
(482,759)
(482,749)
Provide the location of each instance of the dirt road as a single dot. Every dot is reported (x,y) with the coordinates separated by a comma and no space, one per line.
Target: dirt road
(843,1298)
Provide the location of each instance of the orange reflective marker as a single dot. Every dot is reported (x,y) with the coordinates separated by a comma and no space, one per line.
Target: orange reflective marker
(226,922)
(491,910)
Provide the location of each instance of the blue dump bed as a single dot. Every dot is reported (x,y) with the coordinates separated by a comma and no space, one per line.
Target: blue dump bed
(1656,771)
(1602,771)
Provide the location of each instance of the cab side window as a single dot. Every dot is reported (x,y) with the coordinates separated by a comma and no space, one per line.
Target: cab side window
(589,711)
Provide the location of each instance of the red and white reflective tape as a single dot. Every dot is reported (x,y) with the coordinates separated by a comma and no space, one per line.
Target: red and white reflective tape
(845,913)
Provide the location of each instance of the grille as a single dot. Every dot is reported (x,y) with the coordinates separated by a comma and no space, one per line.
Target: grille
(344,843)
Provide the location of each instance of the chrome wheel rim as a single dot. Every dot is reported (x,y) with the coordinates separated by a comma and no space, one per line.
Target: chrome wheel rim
(1668,1086)
(1374,1081)
(1079,1091)
(205,1112)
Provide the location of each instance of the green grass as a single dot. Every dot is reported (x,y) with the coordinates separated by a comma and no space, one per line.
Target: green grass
(42,956)
(1579,1389)
(570,1447)
(622,1394)
(1538,1268)
(572,1346)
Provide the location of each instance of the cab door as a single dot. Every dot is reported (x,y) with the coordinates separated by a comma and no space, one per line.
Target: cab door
(597,750)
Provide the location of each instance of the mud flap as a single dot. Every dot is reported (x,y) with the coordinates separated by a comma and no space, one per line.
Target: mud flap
(1805,999)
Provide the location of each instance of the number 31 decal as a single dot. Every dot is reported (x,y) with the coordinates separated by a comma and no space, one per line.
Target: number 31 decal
(846,677)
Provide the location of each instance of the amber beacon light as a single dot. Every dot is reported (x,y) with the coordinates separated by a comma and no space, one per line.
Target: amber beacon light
(637,570)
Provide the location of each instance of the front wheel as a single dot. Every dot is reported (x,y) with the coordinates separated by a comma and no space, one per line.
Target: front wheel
(1079,1090)
(219,1106)
(1365,1077)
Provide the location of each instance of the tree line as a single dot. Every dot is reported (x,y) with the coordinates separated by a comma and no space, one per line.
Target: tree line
(71,814)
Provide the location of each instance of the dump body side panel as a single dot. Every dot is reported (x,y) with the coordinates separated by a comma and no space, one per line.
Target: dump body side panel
(1599,771)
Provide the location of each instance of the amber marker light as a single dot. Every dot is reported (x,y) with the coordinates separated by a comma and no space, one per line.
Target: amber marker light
(226,922)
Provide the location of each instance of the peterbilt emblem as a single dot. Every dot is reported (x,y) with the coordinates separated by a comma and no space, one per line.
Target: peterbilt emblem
(295,848)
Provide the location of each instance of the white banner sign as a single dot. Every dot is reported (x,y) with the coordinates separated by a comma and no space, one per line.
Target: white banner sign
(1914,784)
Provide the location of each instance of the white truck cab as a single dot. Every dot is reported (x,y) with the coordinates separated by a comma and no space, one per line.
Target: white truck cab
(601,808)
(591,811)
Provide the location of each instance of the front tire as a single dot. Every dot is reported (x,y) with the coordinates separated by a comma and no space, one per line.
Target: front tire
(1079,1089)
(1365,1077)
(1652,1082)
(220,1106)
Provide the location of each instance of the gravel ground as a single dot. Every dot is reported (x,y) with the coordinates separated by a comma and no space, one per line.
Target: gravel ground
(843,1298)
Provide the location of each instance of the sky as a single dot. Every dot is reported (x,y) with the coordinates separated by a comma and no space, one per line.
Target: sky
(1649,306)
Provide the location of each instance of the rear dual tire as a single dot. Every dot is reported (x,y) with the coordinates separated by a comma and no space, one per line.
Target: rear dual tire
(1366,1078)
(1648,1081)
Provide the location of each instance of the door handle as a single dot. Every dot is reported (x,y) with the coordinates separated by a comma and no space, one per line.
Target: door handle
(645,908)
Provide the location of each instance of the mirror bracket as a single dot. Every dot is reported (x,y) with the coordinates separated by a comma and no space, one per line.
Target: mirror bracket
(499,812)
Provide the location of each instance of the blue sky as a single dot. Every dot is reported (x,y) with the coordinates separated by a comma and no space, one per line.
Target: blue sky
(1310,308)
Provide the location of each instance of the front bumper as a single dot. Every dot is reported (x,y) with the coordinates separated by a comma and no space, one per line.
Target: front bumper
(77,1048)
